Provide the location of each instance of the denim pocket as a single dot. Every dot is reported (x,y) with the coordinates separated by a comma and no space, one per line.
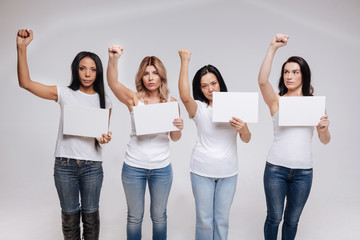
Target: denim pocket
(60,163)
(94,163)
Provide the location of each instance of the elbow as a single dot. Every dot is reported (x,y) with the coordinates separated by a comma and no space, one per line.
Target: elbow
(185,99)
(24,85)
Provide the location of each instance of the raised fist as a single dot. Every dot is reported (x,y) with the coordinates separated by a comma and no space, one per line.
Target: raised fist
(279,40)
(115,51)
(24,37)
(185,54)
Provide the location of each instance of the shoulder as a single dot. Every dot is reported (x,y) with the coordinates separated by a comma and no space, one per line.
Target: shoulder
(172,99)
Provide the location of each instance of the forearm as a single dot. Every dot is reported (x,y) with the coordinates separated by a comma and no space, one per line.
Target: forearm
(184,87)
(175,135)
(245,136)
(325,137)
(112,72)
(266,65)
(22,68)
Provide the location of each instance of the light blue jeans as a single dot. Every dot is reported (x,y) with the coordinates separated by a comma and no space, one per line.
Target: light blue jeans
(75,178)
(213,199)
(134,182)
(280,183)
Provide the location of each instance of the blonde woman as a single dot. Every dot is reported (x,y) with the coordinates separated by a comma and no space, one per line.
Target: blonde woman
(147,156)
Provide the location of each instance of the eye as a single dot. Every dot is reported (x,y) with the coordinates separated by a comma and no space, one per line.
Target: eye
(286,71)
(81,68)
(203,86)
(93,69)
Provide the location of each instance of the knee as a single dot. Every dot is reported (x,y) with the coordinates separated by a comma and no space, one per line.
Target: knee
(273,219)
(158,217)
(291,220)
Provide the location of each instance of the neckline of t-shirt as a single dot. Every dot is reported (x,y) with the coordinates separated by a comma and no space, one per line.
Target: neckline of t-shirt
(87,94)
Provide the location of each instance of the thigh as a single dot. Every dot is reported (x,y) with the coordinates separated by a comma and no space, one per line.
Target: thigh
(160,181)
(275,186)
(298,193)
(203,190)
(67,184)
(224,194)
(91,178)
(134,183)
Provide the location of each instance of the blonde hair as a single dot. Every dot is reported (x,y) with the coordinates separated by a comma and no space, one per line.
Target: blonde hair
(163,90)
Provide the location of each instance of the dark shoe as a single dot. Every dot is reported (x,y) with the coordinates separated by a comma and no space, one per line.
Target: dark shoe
(91,225)
(71,225)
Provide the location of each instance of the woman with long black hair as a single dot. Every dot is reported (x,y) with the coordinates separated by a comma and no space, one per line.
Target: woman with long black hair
(78,160)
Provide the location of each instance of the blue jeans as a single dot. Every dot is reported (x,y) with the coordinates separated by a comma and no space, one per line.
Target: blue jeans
(281,182)
(213,199)
(134,183)
(74,178)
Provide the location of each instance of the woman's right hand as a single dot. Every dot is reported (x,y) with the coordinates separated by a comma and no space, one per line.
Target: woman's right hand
(279,40)
(115,51)
(185,55)
(24,37)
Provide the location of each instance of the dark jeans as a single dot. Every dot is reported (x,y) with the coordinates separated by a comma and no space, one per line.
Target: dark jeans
(75,178)
(281,182)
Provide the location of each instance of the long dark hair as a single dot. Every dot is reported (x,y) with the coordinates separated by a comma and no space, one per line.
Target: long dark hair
(196,83)
(99,80)
(307,88)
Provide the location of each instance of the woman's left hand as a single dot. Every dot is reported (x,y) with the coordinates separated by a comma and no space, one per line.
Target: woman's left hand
(238,124)
(179,123)
(323,125)
(105,138)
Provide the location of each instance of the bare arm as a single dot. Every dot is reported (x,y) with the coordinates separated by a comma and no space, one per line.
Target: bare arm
(323,130)
(267,91)
(184,88)
(24,37)
(179,123)
(124,94)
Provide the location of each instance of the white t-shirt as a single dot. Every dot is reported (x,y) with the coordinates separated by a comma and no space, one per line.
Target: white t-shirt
(150,151)
(215,152)
(77,147)
(292,146)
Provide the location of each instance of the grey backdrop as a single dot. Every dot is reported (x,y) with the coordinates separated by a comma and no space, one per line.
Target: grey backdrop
(232,35)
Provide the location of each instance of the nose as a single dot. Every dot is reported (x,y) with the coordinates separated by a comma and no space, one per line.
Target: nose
(211,88)
(87,73)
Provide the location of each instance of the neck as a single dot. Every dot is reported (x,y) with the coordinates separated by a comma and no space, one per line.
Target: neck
(294,93)
(87,90)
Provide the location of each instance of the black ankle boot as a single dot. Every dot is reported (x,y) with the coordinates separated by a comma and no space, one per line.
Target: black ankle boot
(91,225)
(71,225)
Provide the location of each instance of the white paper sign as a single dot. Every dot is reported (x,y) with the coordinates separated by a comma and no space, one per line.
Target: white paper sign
(243,105)
(155,118)
(85,121)
(301,111)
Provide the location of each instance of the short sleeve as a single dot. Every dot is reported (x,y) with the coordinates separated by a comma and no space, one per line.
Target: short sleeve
(59,94)
(108,102)
(198,110)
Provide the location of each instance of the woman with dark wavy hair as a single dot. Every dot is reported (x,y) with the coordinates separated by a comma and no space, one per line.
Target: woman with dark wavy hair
(214,161)
(288,170)
(78,160)
(147,158)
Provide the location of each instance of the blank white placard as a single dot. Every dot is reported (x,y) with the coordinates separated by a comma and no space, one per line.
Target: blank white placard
(155,118)
(243,105)
(85,121)
(301,111)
